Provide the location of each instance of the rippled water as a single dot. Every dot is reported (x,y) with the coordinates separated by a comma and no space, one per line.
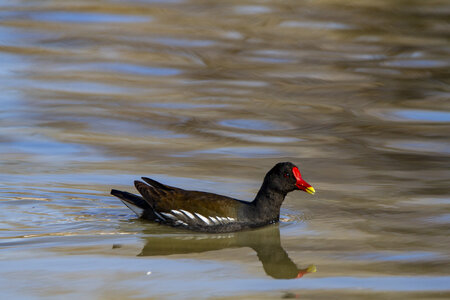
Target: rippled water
(209,95)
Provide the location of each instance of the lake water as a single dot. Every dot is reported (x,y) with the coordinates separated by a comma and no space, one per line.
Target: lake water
(209,95)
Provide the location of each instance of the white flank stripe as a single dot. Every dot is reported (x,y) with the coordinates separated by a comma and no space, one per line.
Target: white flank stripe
(188,214)
(225,220)
(169,215)
(204,219)
(159,216)
(181,222)
(215,221)
(176,212)
(231,219)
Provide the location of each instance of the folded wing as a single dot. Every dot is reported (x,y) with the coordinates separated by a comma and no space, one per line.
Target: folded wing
(178,207)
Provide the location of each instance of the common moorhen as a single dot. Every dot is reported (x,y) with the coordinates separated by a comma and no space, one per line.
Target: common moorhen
(208,212)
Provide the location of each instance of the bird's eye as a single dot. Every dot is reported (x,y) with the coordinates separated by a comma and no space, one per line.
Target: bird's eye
(286,175)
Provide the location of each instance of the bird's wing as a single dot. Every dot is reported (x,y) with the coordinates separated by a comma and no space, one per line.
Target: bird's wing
(191,207)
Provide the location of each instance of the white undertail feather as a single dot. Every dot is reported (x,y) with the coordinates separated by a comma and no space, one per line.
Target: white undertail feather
(136,209)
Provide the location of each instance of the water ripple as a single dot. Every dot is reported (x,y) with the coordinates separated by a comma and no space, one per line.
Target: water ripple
(87,17)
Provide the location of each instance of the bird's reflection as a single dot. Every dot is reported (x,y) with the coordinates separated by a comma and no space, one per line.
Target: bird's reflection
(265,241)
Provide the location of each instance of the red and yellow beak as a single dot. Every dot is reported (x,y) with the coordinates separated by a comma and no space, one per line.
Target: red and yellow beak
(301,184)
(304,186)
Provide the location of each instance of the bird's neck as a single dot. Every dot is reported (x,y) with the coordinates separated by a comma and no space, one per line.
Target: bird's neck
(267,203)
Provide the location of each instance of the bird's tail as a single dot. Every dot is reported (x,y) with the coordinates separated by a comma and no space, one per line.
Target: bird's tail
(136,203)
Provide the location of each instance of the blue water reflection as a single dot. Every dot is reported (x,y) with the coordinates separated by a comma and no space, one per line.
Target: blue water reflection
(86,17)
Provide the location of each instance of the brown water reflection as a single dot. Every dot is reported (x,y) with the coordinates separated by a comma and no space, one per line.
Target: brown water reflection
(265,242)
(209,95)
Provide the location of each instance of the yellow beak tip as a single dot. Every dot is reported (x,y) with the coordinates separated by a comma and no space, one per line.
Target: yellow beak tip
(310,190)
(311,269)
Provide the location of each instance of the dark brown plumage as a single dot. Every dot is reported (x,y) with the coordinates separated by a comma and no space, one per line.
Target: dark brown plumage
(202,211)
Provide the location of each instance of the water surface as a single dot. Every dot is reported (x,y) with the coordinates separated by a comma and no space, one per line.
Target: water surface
(209,96)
